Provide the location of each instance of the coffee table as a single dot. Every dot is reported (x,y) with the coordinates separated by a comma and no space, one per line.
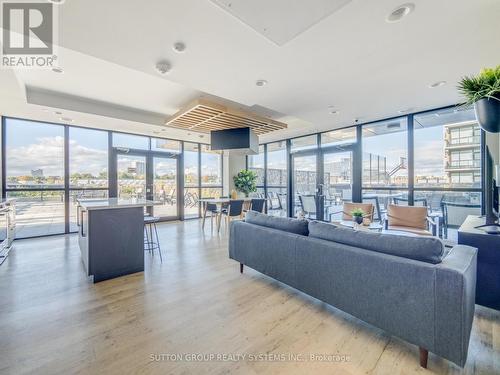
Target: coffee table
(350,224)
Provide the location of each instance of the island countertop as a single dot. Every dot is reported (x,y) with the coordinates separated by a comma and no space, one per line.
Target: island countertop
(111,203)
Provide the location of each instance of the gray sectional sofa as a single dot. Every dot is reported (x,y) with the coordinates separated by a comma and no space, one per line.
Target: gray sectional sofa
(407,286)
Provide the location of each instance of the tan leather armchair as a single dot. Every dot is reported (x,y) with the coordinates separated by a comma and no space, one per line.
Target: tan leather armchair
(368,209)
(410,219)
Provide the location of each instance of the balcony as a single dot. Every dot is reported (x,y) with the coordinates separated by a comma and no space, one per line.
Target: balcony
(464,142)
(463,165)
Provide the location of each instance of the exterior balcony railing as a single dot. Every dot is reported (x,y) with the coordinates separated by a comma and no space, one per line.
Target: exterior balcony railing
(476,140)
(473,164)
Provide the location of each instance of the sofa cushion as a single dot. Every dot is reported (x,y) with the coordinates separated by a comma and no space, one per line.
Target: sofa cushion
(425,249)
(282,223)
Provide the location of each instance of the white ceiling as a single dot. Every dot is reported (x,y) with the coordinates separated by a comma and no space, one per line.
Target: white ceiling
(353,60)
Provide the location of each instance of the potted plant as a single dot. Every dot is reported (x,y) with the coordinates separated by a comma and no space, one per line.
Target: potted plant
(357,215)
(245,182)
(483,91)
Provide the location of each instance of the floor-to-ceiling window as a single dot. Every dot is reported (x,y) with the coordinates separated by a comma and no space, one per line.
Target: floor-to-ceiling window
(47,167)
(304,170)
(277,178)
(211,172)
(88,167)
(430,158)
(202,176)
(338,163)
(385,163)
(448,165)
(191,180)
(256,164)
(34,175)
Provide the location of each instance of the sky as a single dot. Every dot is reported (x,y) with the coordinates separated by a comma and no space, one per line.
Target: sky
(33,146)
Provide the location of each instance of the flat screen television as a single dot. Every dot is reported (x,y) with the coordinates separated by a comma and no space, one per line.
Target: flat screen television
(491,196)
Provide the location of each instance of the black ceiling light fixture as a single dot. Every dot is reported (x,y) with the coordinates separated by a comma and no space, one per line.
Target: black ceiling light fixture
(239,140)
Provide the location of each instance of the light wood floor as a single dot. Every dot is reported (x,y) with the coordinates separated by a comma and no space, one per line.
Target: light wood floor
(54,321)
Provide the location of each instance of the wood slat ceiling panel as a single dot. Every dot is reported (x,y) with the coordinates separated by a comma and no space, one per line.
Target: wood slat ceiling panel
(205,116)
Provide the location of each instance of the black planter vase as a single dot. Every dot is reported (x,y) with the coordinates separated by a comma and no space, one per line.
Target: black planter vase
(488,114)
(358,219)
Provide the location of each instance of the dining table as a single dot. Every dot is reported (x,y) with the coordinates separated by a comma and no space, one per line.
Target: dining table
(220,203)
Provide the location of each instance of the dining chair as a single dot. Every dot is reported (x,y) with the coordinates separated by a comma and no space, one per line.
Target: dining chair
(233,211)
(257,204)
(214,212)
(410,219)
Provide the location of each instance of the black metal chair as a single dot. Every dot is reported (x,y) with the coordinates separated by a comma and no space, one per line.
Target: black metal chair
(308,204)
(376,202)
(151,243)
(419,202)
(257,204)
(454,214)
(233,210)
(214,212)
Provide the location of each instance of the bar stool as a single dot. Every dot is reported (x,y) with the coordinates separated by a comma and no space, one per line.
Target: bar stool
(151,244)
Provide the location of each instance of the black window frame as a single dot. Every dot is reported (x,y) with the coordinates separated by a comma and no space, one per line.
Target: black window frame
(112,183)
(357,149)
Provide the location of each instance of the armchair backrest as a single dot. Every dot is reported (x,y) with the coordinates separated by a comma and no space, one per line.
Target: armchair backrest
(308,203)
(368,209)
(407,216)
(454,214)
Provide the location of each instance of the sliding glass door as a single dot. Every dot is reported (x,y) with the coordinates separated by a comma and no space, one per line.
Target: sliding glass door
(305,185)
(149,175)
(337,183)
(131,176)
(164,187)
(322,173)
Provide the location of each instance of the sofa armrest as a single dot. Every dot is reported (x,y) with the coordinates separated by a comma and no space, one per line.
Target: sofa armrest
(455,302)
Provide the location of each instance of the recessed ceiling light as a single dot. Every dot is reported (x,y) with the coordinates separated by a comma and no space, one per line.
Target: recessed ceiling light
(163,66)
(179,47)
(334,112)
(57,69)
(58,113)
(400,12)
(261,82)
(437,84)
(66,119)
(58,2)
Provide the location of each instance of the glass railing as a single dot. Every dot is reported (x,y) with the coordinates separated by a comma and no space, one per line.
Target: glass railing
(465,140)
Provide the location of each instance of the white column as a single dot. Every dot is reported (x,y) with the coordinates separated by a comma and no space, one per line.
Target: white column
(232,164)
